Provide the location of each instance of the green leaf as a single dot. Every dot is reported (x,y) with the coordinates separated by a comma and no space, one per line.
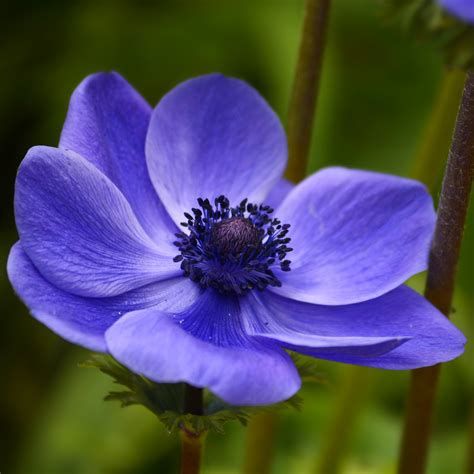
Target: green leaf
(157,397)
(307,368)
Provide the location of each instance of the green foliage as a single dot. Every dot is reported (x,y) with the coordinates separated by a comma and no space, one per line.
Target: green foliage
(428,21)
(308,368)
(159,398)
(166,400)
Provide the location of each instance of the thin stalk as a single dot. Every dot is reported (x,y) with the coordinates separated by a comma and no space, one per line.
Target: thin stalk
(306,86)
(259,451)
(444,256)
(434,145)
(192,442)
(191,452)
(352,392)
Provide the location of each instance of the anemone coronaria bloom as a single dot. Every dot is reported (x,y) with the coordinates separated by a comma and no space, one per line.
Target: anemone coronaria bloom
(169,239)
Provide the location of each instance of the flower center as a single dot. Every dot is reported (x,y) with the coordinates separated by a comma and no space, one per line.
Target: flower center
(232,249)
(234,235)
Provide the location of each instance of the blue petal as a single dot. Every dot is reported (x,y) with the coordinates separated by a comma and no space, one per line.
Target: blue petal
(335,345)
(206,347)
(210,136)
(106,124)
(463,9)
(278,194)
(83,321)
(355,235)
(79,230)
(399,330)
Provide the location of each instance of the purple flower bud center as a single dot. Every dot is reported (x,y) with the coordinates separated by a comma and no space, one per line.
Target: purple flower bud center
(233,236)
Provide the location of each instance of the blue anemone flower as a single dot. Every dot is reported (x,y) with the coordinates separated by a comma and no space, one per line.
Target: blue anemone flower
(169,239)
(463,9)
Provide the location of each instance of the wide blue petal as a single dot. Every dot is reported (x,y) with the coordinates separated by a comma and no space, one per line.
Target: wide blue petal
(79,230)
(83,321)
(278,194)
(355,235)
(107,122)
(399,330)
(206,347)
(463,9)
(213,135)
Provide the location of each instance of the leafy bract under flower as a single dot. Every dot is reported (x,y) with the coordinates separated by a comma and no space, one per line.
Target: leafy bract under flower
(102,261)
(166,400)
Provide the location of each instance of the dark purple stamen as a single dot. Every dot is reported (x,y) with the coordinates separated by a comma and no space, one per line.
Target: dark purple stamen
(232,249)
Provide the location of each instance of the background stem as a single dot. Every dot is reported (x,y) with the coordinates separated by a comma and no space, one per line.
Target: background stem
(192,442)
(434,145)
(352,391)
(444,255)
(306,86)
(259,451)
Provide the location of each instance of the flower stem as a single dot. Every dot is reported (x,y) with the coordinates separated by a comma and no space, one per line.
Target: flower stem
(305,87)
(192,442)
(259,451)
(191,452)
(444,255)
(353,389)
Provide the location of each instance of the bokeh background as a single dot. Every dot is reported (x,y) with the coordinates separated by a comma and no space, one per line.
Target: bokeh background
(378,89)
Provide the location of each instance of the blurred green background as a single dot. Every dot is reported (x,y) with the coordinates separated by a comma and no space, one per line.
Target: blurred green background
(378,90)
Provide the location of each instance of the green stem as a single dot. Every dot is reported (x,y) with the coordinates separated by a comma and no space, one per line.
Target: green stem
(192,442)
(306,86)
(352,392)
(191,452)
(259,449)
(434,146)
(444,255)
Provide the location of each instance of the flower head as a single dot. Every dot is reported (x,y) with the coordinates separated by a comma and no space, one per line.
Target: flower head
(169,239)
(463,9)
